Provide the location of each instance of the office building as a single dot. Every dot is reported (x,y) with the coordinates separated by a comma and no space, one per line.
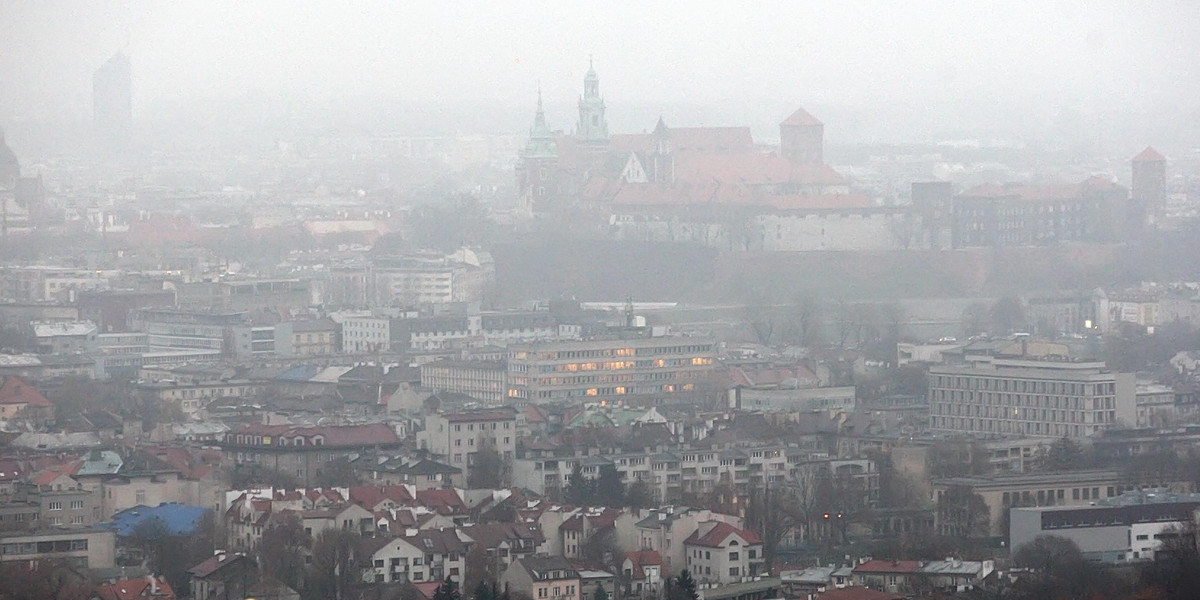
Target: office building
(614,368)
(1001,492)
(1129,527)
(485,380)
(1028,397)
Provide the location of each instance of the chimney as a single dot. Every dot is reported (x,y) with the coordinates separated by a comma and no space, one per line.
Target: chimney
(153,585)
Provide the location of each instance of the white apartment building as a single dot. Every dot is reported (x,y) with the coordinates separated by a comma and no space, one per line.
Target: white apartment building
(426,555)
(671,474)
(666,529)
(361,334)
(457,437)
(720,553)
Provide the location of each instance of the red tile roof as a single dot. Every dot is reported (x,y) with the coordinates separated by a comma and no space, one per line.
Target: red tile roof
(721,140)
(718,534)
(770,376)
(12,469)
(754,169)
(46,477)
(190,466)
(800,118)
(1149,155)
(136,589)
(371,496)
(643,558)
(533,414)
(888,566)
(444,501)
(16,391)
(427,588)
(215,563)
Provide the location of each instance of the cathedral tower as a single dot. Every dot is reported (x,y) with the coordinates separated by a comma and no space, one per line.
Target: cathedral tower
(537,164)
(592,126)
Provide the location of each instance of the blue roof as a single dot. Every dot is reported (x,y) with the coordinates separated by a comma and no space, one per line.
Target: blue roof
(180,519)
(300,373)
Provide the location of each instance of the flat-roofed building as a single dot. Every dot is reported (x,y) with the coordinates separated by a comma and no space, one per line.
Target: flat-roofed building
(1130,527)
(170,329)
(307,338)
(458,437)
(1002,492)
(1026,397)
(303,451)
(82,548)
(611,368)
(483,379)
(1156,405)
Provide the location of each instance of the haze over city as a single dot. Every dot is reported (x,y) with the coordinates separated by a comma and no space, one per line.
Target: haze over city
(896,71)
(623,301)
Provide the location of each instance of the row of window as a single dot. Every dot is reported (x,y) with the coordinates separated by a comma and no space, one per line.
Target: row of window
(58,505)
(1008,426)
(482,426)
(605,391)
(45,547)
(1008,384)
(1022,399)
(1024,414)
(471,441)
(543,592)
(1057,496)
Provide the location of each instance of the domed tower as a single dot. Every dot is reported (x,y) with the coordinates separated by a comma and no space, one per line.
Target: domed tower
(10,167)
(592,126)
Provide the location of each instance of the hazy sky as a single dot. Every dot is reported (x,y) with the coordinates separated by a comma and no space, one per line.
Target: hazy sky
(1099,56)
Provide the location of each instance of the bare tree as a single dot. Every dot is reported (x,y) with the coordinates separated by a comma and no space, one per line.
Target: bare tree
(963,513)
(489,470)
(766,515)
(801,498)
(282,550)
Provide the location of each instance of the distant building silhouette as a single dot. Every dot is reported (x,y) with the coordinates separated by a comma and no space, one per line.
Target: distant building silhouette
(10,167)
(1149,192)
(802,138)
(679,167)
(112,102)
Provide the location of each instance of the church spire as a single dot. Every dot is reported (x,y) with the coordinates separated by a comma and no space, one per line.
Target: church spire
(539,118)
(541,139)
(591,82)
